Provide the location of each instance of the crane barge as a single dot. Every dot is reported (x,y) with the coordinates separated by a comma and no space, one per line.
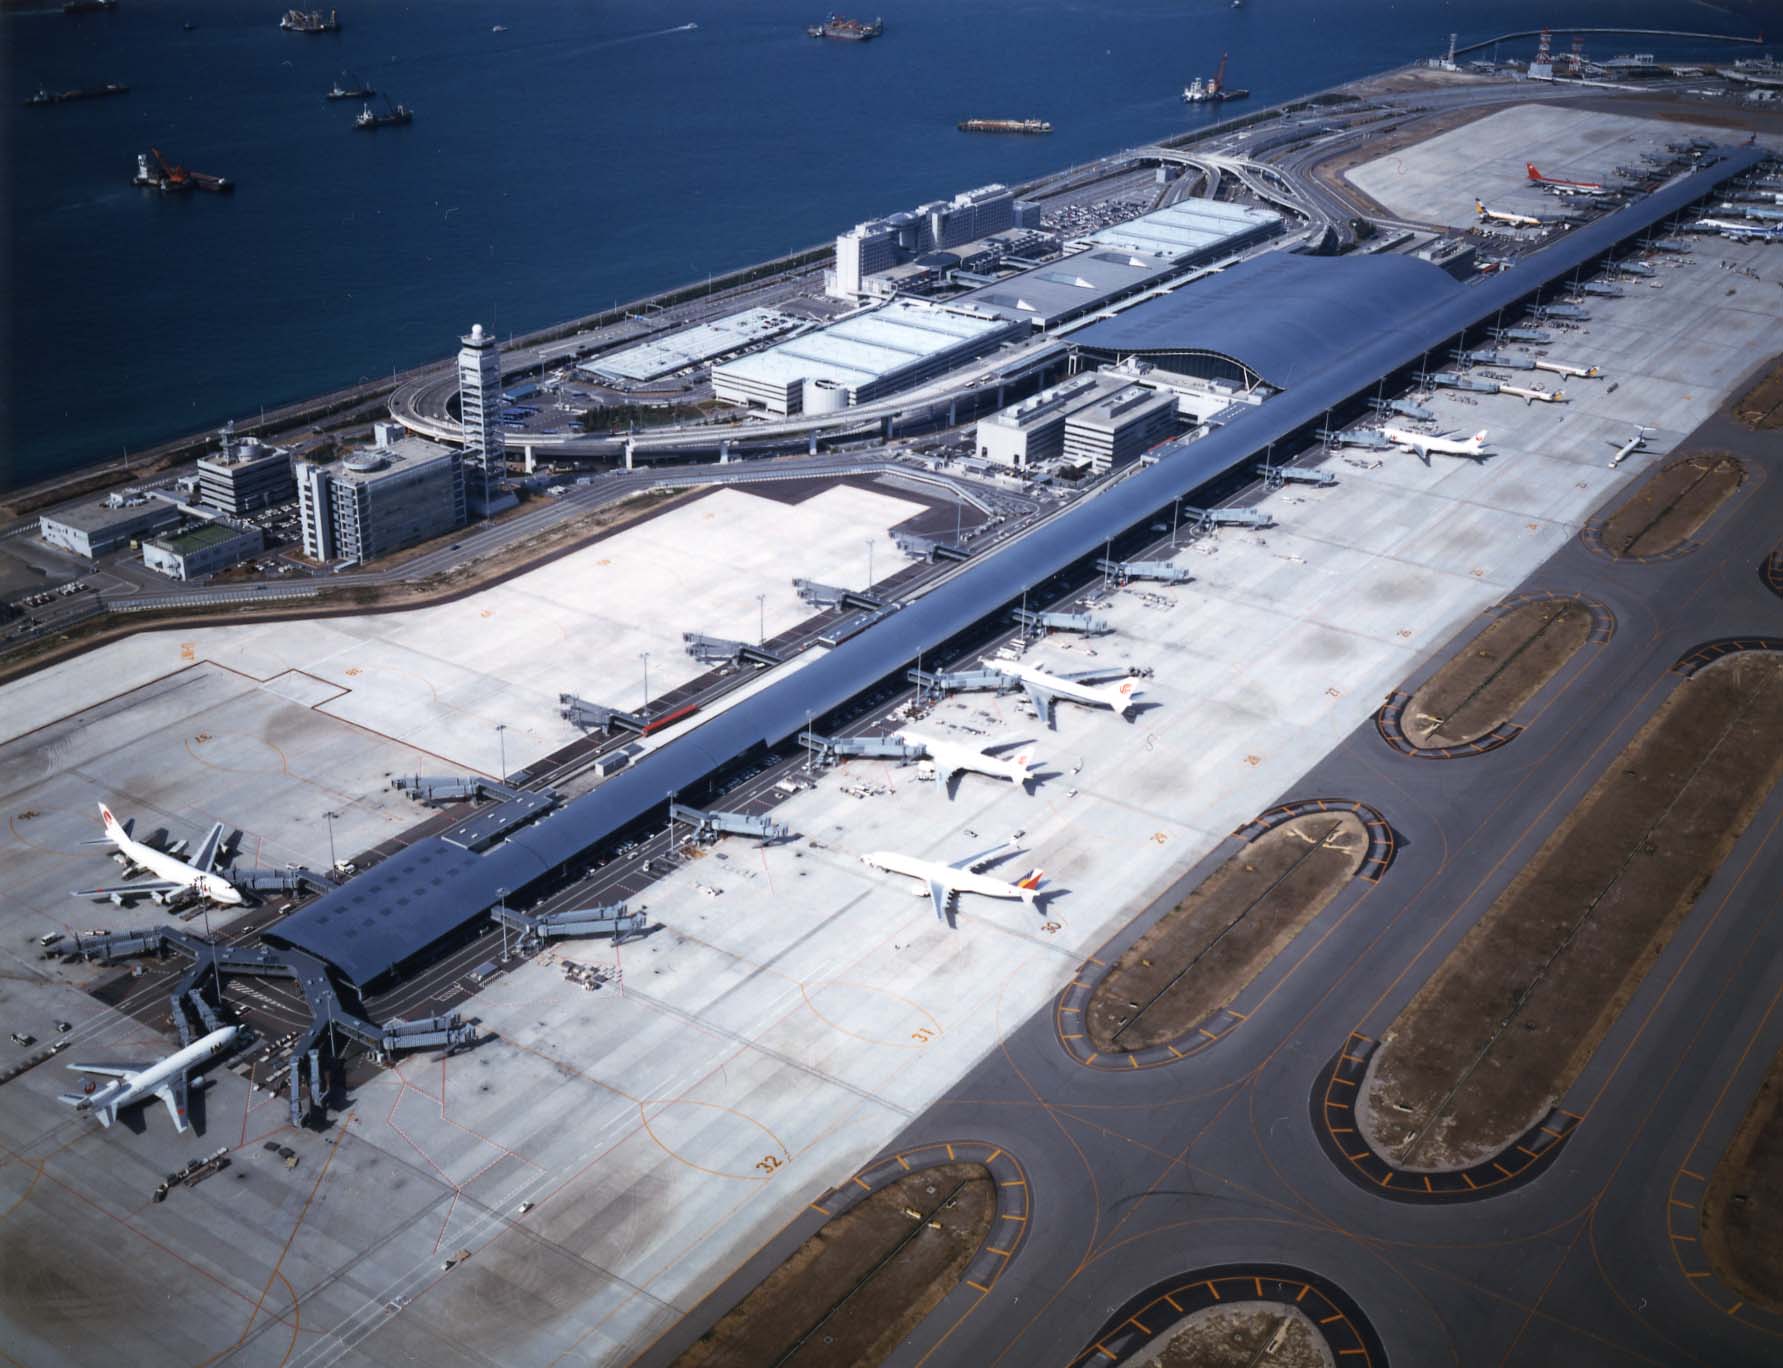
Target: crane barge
(155,172)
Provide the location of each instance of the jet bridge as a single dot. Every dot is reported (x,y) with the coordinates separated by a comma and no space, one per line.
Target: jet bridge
(1571,313)
(959,681)
(1503,360)
(710,650)
(927,548)
(1206,519)
(1532,336)
(612,920)
(1456,380)
(709,825)
(1062,622)
(1404,407)
(829,749)
(290,879)
(835,596)
(579,712)
(1275,476)
(1164,572)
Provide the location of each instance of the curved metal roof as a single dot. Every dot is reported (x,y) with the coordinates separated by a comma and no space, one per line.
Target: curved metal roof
(1284,317)
(422,894)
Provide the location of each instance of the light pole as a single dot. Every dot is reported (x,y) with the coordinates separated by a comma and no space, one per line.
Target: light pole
(501,740)
(761,613)
(333,864)
(1175,518)
(869,565)
(645,657)
(501,902)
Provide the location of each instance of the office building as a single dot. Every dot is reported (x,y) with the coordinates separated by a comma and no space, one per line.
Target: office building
(1033,431)
(380,500)
(245,475)
(479,410)
(203,550)
(1114,430)
(93,527)
(880,244)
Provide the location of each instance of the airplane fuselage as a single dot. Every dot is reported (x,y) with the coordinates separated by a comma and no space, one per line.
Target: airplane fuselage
(105,1102)
(1118,695)
(952,755)
(1423,444)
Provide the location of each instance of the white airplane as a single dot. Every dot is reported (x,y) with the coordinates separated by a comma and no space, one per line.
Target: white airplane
(1531,396)
(944,882)
(951,758)
(1559,186)
(1737,231)
(174,874)
(1046,689)
(166,1080)
(1628,448)
(1561,368)
(1505,216)
(1422,444)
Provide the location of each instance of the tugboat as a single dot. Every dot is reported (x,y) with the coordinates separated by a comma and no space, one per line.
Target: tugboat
(309,21)
(1214,89)
(46,96)
(848,30)
(392,115)
(347,86)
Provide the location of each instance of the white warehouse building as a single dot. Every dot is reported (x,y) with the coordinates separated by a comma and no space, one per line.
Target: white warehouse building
(861,358)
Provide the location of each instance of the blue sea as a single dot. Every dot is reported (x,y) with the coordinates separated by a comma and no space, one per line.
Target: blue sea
(594,151)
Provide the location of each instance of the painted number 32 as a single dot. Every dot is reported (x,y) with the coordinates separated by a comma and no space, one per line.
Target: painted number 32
(768,1162)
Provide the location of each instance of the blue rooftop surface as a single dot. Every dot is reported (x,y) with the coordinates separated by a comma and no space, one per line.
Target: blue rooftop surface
(1288,318)
(392,913)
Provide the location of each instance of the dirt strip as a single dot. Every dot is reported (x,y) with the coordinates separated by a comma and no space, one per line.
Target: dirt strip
(1499,671)
(1742,1215)
(1761,407)
(1674,501)
(1202,953)
(851,1292)
(1257,1335)
(1512,1016)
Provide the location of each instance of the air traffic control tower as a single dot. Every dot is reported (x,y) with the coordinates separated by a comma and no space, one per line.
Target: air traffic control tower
(479,406)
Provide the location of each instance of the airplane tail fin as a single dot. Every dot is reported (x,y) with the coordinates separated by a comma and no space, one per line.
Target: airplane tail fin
(1478,440)
(1029,884)
(1479,207)
(1534,175)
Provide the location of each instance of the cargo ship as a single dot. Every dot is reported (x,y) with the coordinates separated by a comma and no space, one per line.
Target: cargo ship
(347,86)
(1004,126)
(1214,89)
(153,172)
(849,30)
(45,96)
(392,115)
(310,21)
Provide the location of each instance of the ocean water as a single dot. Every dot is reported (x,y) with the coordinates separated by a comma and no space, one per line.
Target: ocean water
(594,151)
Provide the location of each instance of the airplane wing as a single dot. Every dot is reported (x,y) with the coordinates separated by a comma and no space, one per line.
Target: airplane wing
(156,886)
(125,1071)
(941,895)
(947,779)
(173,1096)
(1090,676)
(206,858)
(1042,701)
(983,857)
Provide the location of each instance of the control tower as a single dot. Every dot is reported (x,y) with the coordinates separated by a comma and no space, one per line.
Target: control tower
(479,402)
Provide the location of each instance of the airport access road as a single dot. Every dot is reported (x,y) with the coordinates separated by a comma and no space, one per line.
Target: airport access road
(1153,1173)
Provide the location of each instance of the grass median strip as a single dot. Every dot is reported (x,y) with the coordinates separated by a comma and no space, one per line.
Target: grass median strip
(1761,407)
(1509,1020)
(1742,1215)
(1499,671)
(851,1292)
(1202,953)
(1667,509)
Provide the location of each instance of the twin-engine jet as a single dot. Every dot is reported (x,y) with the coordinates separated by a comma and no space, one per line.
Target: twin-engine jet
(173,875)
(166,1080)
(945,882)
(953,758)
(1119,692)
(1422,444)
